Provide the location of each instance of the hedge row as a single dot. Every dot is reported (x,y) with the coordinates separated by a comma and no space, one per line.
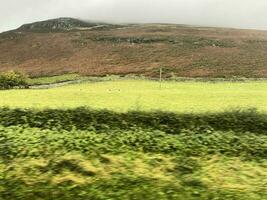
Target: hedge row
(98,120)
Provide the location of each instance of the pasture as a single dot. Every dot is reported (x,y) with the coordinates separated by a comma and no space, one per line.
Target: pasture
(104,140)
(144,95)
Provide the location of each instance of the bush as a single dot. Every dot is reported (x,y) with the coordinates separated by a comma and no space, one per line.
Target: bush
(12,79)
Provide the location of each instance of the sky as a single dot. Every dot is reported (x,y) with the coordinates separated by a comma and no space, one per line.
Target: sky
(218,13)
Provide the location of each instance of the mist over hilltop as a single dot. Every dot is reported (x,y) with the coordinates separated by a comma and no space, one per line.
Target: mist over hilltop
(220,13)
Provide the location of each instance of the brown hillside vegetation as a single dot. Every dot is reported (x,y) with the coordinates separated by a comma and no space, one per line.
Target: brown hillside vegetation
(182,51)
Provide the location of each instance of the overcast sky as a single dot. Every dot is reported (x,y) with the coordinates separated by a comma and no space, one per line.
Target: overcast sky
(224,13)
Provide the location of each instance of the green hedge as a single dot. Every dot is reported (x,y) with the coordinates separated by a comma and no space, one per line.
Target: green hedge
(98,120)
(61,142)
(31,142)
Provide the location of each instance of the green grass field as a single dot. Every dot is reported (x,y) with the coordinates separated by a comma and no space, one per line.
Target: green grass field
(124,95)
(202,152)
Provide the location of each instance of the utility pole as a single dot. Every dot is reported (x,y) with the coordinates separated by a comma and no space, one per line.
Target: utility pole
(160,77)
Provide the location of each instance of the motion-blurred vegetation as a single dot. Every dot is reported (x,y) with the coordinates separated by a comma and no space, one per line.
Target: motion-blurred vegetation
(89,154)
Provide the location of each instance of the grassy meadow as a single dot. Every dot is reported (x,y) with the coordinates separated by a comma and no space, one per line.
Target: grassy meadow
(134,140)
(125,95)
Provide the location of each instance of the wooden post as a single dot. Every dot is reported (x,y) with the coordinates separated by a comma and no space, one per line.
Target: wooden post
(160,77)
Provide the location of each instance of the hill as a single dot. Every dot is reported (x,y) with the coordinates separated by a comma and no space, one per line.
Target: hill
(67,45)
(57,25)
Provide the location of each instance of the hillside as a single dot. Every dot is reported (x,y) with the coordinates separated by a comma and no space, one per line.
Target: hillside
(57,25)
(68,45)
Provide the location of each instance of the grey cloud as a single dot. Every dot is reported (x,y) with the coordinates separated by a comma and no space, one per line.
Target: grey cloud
(225,13)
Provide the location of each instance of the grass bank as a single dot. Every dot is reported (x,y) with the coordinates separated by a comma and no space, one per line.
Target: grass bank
(91,154)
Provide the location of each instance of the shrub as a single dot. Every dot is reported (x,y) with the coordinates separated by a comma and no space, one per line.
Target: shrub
(12,79)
